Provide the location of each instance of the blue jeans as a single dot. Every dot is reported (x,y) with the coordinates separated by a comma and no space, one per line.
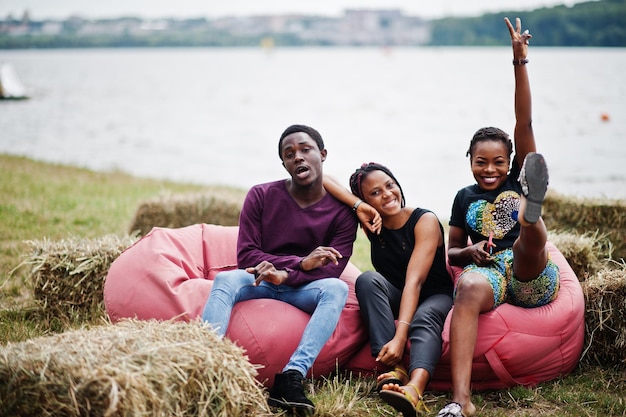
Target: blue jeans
(324,299)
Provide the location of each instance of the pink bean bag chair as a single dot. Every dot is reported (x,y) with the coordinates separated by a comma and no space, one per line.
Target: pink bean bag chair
(168,274)
(515,345)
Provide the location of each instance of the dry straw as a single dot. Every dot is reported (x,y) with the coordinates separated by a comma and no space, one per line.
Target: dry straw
(586,253)
(67,276)
(183,210)
(594,233)
(133,368)
(605,317)
(580,216)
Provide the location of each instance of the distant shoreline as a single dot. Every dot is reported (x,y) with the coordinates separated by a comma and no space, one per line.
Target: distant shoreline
(587,24)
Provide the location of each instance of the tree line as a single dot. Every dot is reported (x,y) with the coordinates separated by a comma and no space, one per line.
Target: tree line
(593,23)
(599,23)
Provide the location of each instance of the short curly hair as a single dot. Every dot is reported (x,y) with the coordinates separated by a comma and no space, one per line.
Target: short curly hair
(490,133)
(314,134)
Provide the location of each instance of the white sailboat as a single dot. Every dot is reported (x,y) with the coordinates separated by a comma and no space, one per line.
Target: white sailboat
(11,88)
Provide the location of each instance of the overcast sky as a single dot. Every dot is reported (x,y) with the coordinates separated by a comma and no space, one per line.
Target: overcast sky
(42,9)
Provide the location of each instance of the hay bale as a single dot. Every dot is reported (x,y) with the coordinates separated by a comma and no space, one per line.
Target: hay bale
(67,276)
(605,317)
(580,216)
(133,368)
(185,210)
(586,253)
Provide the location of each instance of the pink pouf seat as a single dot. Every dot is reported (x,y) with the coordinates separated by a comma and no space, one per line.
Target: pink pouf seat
(515,345)
(168,274)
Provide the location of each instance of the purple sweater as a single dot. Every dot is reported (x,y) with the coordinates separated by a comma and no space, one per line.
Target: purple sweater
(273,228)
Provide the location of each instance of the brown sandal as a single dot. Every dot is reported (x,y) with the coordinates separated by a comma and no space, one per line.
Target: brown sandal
(404,402)
(396,374)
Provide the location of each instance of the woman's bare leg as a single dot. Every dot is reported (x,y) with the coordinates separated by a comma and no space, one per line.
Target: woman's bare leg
(529,251)
(530,255)
(474,296)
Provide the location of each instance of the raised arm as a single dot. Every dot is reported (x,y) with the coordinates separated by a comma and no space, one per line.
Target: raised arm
(368,216)
(524,138)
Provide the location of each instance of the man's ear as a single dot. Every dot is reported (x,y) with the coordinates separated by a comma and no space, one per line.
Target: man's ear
(323,152)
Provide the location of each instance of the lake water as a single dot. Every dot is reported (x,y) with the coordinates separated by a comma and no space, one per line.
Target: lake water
(214,116)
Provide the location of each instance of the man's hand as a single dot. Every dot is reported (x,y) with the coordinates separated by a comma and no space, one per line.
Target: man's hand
(265,271)
(369,217)
(321,256)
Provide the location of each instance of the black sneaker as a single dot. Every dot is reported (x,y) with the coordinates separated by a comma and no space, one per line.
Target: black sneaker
(533,178)
(288,393)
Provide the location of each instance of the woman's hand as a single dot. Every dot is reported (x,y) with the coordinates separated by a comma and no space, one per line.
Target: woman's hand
(392,351)
(478,253)
(519,39)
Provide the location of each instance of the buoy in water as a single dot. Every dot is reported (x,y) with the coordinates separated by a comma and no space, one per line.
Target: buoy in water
(605,117)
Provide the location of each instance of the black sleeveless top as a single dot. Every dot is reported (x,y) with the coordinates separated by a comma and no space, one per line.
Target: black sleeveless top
(391,251)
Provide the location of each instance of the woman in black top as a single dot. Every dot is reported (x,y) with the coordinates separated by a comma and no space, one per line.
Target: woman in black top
(410,284)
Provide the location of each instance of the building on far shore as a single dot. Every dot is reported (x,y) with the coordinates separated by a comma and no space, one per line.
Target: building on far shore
(356,27)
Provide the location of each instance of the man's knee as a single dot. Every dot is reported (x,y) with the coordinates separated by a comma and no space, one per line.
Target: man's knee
(335,290)
(231,280)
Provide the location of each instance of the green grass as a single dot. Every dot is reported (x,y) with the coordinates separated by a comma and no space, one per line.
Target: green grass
(39,200)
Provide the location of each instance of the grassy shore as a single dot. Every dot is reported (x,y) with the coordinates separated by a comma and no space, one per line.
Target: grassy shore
(39,200)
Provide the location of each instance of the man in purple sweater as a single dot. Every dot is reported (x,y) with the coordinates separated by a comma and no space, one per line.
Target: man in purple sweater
(294,242)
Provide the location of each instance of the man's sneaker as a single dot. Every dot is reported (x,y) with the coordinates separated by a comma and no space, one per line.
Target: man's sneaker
(288,393)
(533,178)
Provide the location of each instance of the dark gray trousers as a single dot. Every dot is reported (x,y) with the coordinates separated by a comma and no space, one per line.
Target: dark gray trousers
(379,301)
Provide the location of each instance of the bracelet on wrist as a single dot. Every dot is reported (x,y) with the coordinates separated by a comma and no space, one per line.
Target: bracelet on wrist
(404,322)
(521,61)
(357,204)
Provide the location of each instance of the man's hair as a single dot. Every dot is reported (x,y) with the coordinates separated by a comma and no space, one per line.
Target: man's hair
(314,134)
(357,177)
(490,133)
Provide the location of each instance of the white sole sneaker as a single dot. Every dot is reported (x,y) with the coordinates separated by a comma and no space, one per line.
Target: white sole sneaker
(533,178)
